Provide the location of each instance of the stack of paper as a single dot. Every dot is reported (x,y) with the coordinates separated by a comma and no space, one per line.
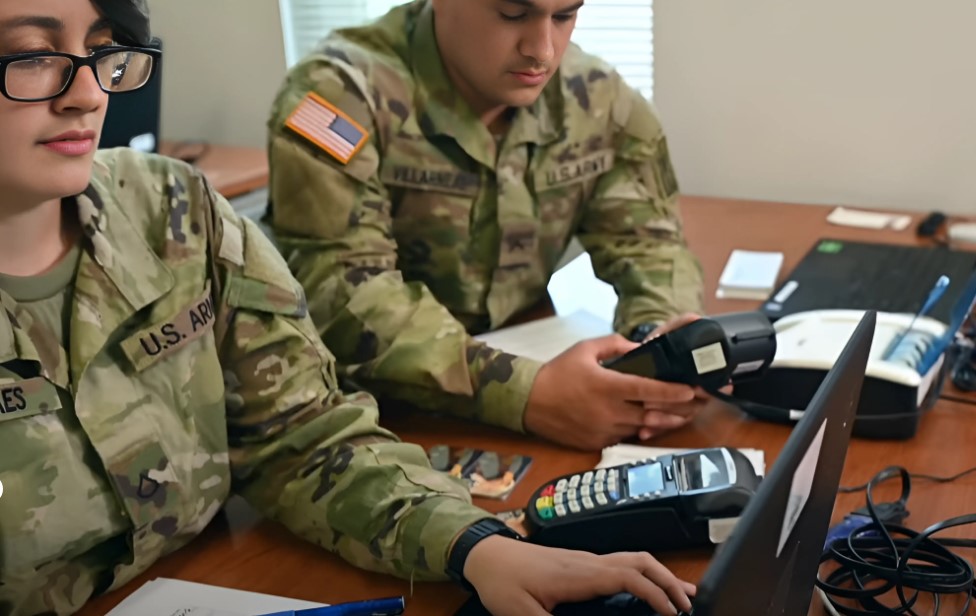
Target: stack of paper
(749,275)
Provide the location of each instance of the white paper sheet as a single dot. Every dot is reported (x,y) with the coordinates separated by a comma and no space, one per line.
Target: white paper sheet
(576,287)
(544,339)
(623,454)
(167,597)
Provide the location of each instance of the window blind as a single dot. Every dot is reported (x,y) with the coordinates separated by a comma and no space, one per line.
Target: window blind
(619,31)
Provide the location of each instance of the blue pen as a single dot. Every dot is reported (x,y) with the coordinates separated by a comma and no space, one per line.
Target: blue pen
(373,607)
(960,312)
(934,296)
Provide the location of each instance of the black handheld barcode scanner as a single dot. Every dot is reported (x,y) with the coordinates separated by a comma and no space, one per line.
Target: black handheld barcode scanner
(708,353)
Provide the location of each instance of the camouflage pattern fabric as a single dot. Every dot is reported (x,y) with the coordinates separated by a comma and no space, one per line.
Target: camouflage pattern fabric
(193,371)
(433,231)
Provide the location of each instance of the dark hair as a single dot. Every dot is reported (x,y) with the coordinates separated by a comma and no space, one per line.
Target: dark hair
(130,20)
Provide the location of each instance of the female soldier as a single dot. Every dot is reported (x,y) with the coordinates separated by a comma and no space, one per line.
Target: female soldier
(155,354)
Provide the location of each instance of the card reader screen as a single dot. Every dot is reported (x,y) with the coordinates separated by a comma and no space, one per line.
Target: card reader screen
(645,479)
(705,470)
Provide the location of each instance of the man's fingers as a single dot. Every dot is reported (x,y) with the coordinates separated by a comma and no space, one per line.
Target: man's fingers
(641,389)
(658,420)
(684,409)
(610,347)
(626,414)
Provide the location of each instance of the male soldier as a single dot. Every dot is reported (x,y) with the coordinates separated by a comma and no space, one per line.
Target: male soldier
(428,172)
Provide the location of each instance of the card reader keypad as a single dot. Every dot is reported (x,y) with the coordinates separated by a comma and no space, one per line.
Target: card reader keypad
(581,492)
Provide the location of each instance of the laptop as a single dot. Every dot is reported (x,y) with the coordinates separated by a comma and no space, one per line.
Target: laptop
(132,119)
(867,276)
(769,564)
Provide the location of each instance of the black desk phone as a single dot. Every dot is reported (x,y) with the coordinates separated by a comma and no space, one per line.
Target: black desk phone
(655,504)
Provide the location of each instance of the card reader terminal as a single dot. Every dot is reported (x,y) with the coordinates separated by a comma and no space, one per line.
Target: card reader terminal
(656,504)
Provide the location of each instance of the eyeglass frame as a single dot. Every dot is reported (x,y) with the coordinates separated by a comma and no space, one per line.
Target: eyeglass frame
(77,62)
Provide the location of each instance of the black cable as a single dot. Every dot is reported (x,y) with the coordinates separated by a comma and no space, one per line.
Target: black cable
(958,399)
(879,558)
(889,472)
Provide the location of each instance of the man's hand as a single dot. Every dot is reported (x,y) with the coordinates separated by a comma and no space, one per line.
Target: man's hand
(520,579)
(661,418)
(577,402)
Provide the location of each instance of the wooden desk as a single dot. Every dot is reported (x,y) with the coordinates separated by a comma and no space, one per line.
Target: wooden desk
(240,550)
(232,170)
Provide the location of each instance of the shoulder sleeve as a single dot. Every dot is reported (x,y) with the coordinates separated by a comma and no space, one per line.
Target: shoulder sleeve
(334,224)
(302,451)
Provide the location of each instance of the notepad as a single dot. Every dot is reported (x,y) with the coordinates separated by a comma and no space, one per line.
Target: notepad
(749,275)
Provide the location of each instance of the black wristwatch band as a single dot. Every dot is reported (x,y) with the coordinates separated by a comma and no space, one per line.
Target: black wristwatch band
(642,331)
(470,538)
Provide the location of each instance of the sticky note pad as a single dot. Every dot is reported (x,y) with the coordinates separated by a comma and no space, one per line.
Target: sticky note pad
(749,275)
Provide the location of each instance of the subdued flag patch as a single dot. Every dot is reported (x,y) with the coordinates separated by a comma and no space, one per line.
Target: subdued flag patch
(324,125)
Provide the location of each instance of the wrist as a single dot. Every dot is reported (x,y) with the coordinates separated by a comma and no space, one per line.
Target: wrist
(478,564)
(534,418)
(466,543)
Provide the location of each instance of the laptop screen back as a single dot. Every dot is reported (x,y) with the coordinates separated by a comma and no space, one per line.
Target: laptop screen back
(768,566)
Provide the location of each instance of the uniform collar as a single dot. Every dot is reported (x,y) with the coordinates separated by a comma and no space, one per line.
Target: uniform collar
(119,274)
(13,341)
(442,111)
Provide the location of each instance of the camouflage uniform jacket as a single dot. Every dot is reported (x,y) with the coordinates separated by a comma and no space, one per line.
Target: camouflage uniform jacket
(431,232)
(194,371)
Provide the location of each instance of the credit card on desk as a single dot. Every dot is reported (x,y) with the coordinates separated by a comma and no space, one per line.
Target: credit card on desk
(487,473)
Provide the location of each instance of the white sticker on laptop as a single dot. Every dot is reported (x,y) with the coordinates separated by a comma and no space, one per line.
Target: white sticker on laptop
(709,358)
(800,489)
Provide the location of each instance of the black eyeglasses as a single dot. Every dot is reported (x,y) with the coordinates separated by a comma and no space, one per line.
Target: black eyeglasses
(42,76)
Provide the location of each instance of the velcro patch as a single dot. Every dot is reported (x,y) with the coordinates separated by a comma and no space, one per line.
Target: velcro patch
(29,397)
(319,121)
(232,244)
(160,340)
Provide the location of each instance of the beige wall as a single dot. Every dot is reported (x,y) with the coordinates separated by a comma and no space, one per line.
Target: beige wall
(224,60)
(870,102)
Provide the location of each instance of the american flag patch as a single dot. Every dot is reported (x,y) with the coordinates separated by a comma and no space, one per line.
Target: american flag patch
(327,127)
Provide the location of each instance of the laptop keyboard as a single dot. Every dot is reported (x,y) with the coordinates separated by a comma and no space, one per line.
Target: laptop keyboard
(901,283)
(864,276)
